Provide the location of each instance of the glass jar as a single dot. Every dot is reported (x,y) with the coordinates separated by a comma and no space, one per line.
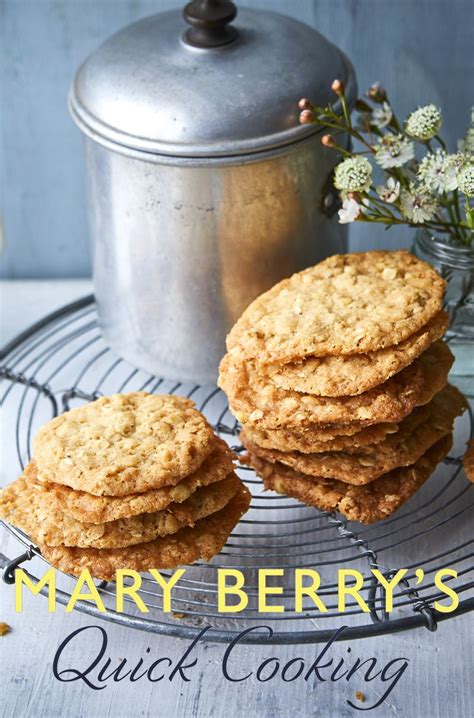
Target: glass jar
(456,266)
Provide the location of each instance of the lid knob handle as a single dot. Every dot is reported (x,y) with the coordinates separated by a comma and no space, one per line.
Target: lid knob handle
(209,20)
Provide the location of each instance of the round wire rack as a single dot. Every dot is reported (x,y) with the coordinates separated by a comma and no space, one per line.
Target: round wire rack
(62,361)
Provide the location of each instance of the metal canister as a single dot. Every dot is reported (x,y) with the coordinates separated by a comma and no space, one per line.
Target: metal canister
(203,188)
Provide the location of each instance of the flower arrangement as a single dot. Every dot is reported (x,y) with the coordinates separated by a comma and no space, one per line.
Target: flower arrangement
(432,188)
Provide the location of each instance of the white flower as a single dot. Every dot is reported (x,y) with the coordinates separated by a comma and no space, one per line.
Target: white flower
(466,180)
(378,117)
(381,116)
(417,205)
(424,123)
(394,151)
(349,212)
(353,175)
(466,145)
(390,191)
(438,171)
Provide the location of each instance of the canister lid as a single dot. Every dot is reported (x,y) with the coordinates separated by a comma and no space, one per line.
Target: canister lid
(148,88)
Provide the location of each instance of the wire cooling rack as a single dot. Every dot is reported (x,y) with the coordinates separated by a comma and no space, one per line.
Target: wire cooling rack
(62,361)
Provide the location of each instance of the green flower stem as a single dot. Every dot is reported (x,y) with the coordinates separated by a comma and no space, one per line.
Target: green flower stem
(394,121)
(469,211)
(380,203)
(436,226)
(384,214)
(397,174)
(331,125)
(446,203)
(343,150)
(457,207)
(442,226)
(452,207)
(344,129)
(361,139)
(381,218)
(346,112)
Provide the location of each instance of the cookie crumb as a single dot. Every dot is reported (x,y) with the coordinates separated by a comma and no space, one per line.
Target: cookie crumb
(4,628)
(360,696)
(389,273)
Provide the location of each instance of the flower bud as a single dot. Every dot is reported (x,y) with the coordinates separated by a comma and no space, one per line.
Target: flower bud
(306,117)
(353,174)
(304,104)
(424,123)
(376,92)
(466,180)
(338,87)
(328,141)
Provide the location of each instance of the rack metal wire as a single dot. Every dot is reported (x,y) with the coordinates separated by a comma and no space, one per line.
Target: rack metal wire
(62,361)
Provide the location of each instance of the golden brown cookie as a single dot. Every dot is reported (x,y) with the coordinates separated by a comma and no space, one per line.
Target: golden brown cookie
(124,444)
(255,400)
(352,374)
(100,509)
(417,433)
(314,439)
(366,504)
(202,541)
(35,510)
(347,304)
(469,461)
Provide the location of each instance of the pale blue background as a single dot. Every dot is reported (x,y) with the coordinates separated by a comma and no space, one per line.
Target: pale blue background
(422,50)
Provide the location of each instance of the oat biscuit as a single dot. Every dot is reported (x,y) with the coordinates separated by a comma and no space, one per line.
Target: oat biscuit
(202,541)
(101,509)
(404,448)
(124,444)
(352,374)
(353,438)
(329,308)
(32,508)
(255,400)
(469,461)
(366,504)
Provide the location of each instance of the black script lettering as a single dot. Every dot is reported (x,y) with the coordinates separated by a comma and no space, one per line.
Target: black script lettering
(115,673)
(288,666)
(76,675)
(133,676)
(180,667)
(231,647)
(359,664)
(152,668)
(394,677)
(315,667)
(334,676)
(263,665)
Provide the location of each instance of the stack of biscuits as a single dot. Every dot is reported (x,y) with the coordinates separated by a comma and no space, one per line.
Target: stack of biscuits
(338,376)
(132,481)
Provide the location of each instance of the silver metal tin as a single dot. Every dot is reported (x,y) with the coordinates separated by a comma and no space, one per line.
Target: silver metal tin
(203,189)
(146,89)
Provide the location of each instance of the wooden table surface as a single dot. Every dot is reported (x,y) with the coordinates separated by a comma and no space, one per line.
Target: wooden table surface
(438,680)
